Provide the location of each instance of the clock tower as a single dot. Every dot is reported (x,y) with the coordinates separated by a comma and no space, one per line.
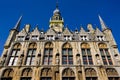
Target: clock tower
(56,21)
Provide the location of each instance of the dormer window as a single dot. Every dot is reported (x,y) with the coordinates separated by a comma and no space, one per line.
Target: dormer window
(50,37)
(35,37)
(59,33)
(20,38)
(83,38)
(67,37)
(100,38)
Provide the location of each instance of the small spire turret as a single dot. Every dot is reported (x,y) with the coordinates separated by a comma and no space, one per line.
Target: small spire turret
(103,25)
(17,26)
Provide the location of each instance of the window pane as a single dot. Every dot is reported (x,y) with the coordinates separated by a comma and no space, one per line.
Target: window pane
(90,59)
(51,51)
(106,51)
(46,78)
(85,60)
(46,52)
(64,60)
(33,61)
(34,51)
(88,52)
(45,60)
(13,52)
(11,61)
(64,51)
(28,61)
(65,78)
(50,60)
(69,51)
(15,61)
(30,52)
(18,52)
(83,52)
(104,60)
(101,51)
(109,60)
(70,59)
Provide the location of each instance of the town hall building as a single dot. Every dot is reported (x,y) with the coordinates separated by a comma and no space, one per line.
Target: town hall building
(59,53)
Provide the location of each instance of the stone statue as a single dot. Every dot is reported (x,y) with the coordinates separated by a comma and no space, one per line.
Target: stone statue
(20,61)
(38,61)
(2,61)
(78,60)
(57,60)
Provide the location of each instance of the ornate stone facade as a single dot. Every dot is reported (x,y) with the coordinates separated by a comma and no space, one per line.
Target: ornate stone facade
(60,54)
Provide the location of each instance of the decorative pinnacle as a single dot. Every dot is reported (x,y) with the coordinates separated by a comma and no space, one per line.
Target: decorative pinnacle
(18,23)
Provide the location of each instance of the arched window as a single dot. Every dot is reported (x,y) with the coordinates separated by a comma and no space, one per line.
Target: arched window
(7,74)
(112,74)
(46,74)
(67,55)
(30,58)
(105,54)
(26,74)
(90,74)
(14,54)
(68,74)
(86,54)
(48,54)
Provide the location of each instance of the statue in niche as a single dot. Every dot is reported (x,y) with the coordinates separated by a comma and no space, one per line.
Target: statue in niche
(38,59)
(98,59)
(57,60)
(2,61)
(21,59)
(78,60)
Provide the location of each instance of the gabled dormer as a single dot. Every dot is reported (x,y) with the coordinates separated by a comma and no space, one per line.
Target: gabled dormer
(35,34)
(99,36)
(67,35)
(50,34)
(83,35)
(24,33)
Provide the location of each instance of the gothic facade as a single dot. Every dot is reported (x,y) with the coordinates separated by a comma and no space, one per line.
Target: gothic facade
(60,54)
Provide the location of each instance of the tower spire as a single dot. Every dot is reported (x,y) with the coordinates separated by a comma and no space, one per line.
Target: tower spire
(17,26)
(103,25)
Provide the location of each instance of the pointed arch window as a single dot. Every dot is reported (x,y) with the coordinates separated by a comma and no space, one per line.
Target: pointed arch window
(48,54)
(7,74)
(86,54)
(46,74)
(67,55)
(26,74)
(14,55)
(90,74)
(68,74)
(105,54)
(30,58)
(112,74)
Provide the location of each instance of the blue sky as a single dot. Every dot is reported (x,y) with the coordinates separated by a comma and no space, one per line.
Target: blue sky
(74,12)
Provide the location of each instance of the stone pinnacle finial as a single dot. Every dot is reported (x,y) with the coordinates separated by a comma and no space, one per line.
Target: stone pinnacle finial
(17,26)
(103,25)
